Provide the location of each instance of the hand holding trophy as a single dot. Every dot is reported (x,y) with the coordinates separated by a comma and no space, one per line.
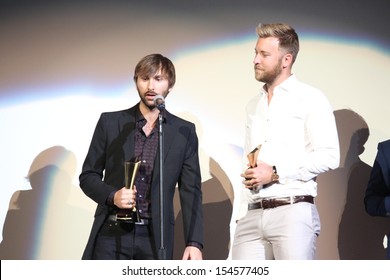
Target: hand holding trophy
(131,171)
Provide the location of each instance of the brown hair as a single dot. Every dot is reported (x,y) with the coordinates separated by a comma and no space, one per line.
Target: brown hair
(151,64)
(288,38)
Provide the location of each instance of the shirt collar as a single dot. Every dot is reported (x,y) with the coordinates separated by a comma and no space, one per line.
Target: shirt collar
(286,85)
(289,83)
(140,117)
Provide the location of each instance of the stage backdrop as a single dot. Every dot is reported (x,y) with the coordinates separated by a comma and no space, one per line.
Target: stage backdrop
(62,63)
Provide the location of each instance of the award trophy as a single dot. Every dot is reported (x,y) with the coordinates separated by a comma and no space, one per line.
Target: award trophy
(252,158)
(131,171)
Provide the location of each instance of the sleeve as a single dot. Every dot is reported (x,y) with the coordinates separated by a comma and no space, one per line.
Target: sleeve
(91,177)
(377,195)
(190,192)
(322,143)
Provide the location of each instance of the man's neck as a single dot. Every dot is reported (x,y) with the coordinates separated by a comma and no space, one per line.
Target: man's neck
(270,87)
(150,115)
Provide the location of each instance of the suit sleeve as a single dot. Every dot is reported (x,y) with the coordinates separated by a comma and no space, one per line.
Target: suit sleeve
(190,192)
(377,196)
(92,171)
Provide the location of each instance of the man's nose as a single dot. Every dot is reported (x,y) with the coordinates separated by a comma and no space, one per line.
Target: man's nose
(151,85)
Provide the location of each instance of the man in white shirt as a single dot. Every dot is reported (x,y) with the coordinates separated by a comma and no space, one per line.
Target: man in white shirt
(292,128)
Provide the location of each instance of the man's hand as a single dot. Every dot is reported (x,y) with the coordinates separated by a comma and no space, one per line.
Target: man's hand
(192,253)
(125,198)
(257,176)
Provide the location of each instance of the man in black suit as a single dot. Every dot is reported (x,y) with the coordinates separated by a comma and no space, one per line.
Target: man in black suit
(134,133)
(377,196)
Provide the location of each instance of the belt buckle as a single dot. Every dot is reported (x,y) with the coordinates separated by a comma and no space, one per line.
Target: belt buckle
(266,203)
(142,222)
(124,217)
(127,216)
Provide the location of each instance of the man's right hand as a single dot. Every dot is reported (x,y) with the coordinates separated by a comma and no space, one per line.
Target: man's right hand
(125,198)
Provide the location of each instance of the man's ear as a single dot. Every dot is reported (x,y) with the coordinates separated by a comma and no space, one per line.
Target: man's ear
(287,60)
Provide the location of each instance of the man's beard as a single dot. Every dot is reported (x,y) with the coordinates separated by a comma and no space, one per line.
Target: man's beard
(150,106)
(268,77)
(145,101)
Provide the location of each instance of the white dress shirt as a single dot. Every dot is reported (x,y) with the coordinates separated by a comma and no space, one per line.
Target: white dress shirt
(298,134)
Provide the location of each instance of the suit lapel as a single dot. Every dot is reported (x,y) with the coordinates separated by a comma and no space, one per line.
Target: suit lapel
(169,130)
(169,133)
(127,125)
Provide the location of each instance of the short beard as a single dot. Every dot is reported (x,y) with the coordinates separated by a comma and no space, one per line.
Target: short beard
(143,99)
(268,77)
(150,107)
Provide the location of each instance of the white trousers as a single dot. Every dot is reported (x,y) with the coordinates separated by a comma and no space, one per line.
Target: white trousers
(286,232)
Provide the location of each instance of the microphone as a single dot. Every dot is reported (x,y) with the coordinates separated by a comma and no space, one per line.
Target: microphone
(159,102)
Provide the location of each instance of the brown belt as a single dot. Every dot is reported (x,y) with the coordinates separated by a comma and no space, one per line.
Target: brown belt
(280,201)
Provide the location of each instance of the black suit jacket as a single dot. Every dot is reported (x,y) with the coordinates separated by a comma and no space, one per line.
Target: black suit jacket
(103,172)
(377,195)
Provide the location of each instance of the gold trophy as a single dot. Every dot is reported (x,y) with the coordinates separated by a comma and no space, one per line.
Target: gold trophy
(252,158)
(131,171)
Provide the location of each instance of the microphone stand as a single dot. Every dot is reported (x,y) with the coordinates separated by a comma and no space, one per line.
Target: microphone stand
(162,249)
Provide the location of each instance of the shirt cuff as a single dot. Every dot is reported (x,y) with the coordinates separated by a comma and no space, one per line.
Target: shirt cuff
(110,199)
(387,205)
(195,244)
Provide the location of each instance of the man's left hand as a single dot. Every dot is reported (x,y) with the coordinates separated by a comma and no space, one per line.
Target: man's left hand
(192,253)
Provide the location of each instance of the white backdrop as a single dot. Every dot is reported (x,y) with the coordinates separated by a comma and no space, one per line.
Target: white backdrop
(61,68)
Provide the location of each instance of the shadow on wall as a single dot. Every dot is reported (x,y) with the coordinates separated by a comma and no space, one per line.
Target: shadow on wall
(217,211)
(348,232)
(39,222)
